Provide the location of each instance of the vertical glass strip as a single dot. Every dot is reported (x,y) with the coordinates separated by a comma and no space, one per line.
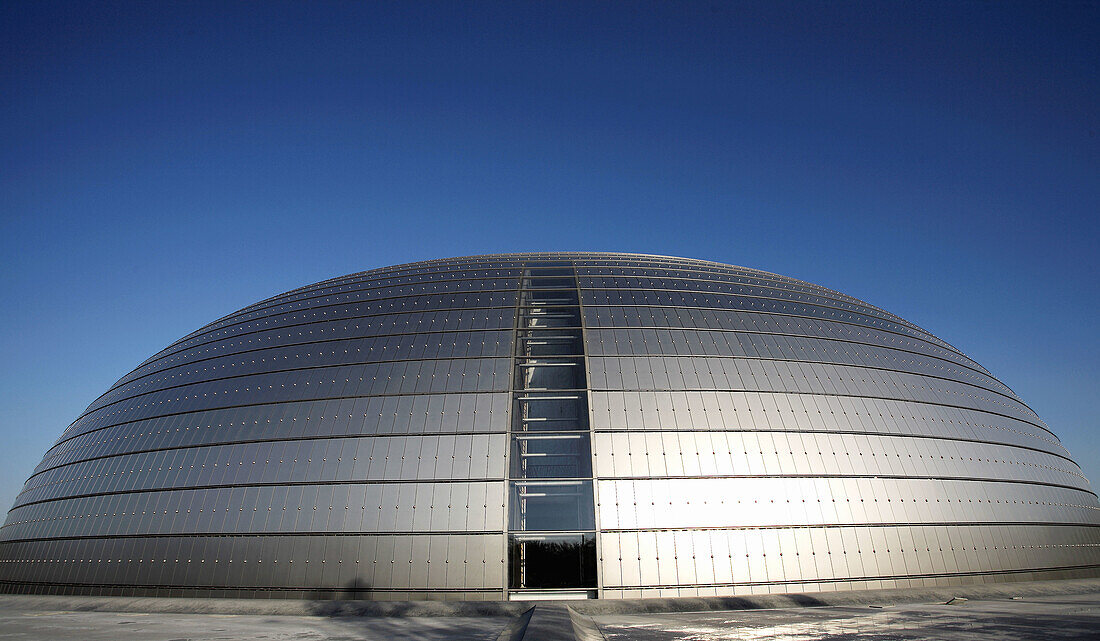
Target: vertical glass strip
(551,522)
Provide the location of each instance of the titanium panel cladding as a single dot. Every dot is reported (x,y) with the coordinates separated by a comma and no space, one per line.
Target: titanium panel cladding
(578,424)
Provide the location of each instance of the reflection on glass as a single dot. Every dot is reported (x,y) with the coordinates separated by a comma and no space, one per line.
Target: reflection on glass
(550,342)
(549,282)
(551,506)
(550,373)
(548,297)
(544,316)
(549,411)
(552,561)
(550,456)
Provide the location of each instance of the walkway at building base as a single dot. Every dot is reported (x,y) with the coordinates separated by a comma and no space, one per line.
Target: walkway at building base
(1057,609)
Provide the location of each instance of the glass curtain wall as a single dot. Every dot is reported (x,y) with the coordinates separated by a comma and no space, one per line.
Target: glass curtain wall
(551,539)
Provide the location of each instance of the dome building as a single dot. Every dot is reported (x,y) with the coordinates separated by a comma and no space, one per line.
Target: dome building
(551,425)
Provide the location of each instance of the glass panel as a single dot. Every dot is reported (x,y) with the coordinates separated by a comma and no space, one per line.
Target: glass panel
(548,373)
(548,297)
(550,317)
(551,505)
(551,412)
(549,282)
(550,456)
(552,561)
(553,342)
(549,271)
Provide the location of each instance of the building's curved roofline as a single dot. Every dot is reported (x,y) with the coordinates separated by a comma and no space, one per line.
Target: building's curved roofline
(571,253)
(581,255)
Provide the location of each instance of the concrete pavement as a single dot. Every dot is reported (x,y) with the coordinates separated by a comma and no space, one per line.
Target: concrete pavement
(1034,610)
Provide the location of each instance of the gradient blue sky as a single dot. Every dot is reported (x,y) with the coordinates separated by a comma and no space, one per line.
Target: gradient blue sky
(162,165)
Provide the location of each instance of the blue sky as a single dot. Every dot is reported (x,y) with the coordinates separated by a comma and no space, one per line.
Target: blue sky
(162,165)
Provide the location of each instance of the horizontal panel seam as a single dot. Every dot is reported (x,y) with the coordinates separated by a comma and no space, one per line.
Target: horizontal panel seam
(222,486)
(795,335)
(893,577)
(905,324)
(816,362)
(505,291)
(428,358)
(837,526)
(329,437)
(848,476)
(304,368)
(291,439)
(200,333)
(274,402)
(400,394)
(238,535)
(281,533)
(501,480)
(837,394)
(253,350)
(775,313)
(726,430)
(284,299)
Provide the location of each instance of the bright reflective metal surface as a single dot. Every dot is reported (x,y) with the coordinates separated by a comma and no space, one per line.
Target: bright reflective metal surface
(469,428)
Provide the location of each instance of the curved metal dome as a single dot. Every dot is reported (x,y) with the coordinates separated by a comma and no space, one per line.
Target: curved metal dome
(576,424)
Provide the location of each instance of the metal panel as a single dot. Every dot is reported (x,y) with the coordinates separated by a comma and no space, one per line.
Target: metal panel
(742,431)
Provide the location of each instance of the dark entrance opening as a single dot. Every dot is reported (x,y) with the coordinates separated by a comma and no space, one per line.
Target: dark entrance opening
(550,561)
